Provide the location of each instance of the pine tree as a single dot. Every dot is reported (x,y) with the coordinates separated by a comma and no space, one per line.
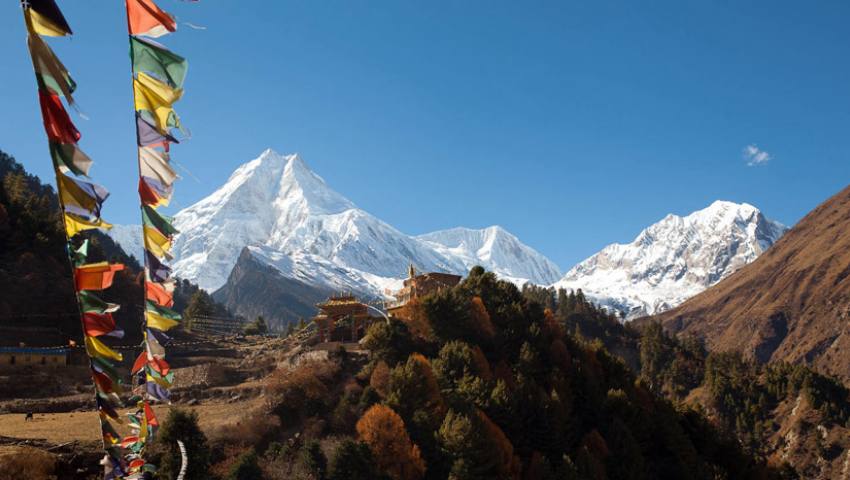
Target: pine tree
(395,454)
(352,461)
(181,425)
(315,460)
(200,305)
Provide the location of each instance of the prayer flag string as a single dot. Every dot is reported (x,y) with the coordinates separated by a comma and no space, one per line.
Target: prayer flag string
(81,202)
(158,76)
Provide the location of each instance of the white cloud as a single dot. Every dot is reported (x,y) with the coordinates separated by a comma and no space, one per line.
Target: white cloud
(755,156)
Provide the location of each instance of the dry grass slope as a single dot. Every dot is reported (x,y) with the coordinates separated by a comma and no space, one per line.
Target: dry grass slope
(791,304)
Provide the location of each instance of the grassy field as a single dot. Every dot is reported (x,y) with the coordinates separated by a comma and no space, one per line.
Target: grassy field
(83,426)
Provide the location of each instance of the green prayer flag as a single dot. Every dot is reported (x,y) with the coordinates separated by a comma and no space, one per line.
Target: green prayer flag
(91,303)
(107,369)
(71,157)
(151,57)
(161,222)
(163,311)
(168,378)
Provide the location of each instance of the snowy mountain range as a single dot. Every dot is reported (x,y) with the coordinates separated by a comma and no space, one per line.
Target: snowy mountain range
(292,220)
(274,214)
(674,259)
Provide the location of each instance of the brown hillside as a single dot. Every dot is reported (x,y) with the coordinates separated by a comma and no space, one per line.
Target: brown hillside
(791,304)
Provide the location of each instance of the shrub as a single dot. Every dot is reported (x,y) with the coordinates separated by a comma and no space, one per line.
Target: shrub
(246,467)
(315,460)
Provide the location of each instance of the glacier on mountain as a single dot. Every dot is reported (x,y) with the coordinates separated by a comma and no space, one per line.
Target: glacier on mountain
(674,259)
(292,220)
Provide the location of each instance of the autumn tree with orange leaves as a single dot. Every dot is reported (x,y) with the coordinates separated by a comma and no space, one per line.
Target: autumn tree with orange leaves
(395,454)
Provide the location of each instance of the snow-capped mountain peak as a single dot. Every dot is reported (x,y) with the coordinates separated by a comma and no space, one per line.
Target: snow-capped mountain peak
(293,222)
(675,258)
(494,246)
(277,205)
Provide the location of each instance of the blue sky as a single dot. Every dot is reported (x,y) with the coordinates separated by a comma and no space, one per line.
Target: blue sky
(572,124)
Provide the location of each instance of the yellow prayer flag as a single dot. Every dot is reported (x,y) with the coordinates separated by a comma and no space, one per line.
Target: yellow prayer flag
(42,25)
(143,423)
(159,322)
(162,382)
(96,348)
(157,98)
(75,224)
(157,243)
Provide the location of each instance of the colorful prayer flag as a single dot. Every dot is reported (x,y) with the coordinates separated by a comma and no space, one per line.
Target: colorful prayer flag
(161,293)
(69,156)
(154,193)
(57,123)
(75,224)
(153,58)
(156,99)
(97,324)
(154,348)
(105,384)
(146,18)
(150,415)
(147,134)
(157,392)
(160,322)
(156,270)
(157,243)
(90,303)
(87,197)
(153,218)
(96,276)
(103,366)
(96,348)
(45,18)
(154,164)
(49,71)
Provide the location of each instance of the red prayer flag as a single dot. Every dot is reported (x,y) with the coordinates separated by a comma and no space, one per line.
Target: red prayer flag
(128,441)
(98,324)
(150,416)
(104,383)
(147,194)
(57,123)
(161,366)
(96,276)
(144,17)
(140,362)
(157,293)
